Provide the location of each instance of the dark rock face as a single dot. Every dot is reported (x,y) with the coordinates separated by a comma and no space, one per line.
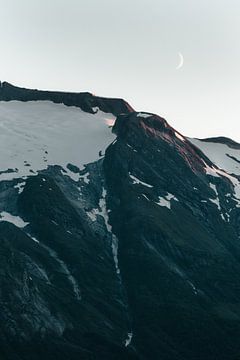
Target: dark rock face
(142,261)
(59,283)
(176,264)
(86,101)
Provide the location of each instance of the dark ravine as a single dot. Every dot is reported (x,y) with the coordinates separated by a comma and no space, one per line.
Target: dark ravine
(138,255)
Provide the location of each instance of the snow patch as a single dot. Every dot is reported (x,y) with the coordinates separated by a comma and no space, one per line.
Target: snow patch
(20,187)
(33,238)
(110,122)
(103,211)
(179,136)
(85,178)
(129,339)
(216,201)
(211,171)
(36,134)
(95,109)
(144,115)
(16,220)
(145,196)
(166,201)
(195,291)
(137,181)
(93,214)
(74,176)
(54,222)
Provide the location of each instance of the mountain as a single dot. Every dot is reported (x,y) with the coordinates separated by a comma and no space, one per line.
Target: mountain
(119,236)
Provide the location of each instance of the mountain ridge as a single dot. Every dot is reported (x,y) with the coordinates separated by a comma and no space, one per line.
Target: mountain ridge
(117,106)
(85,100)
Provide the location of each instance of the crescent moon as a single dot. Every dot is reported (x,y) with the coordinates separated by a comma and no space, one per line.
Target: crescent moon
(181,61)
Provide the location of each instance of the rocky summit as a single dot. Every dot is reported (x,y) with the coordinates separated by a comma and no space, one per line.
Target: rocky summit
(119,236)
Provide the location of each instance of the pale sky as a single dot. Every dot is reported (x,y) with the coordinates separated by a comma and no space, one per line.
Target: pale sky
(129,49)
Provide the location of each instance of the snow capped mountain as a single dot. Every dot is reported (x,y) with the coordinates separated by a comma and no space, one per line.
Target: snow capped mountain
(119,236)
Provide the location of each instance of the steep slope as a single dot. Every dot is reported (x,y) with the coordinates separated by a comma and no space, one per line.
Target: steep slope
(114,245)
(176,217)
